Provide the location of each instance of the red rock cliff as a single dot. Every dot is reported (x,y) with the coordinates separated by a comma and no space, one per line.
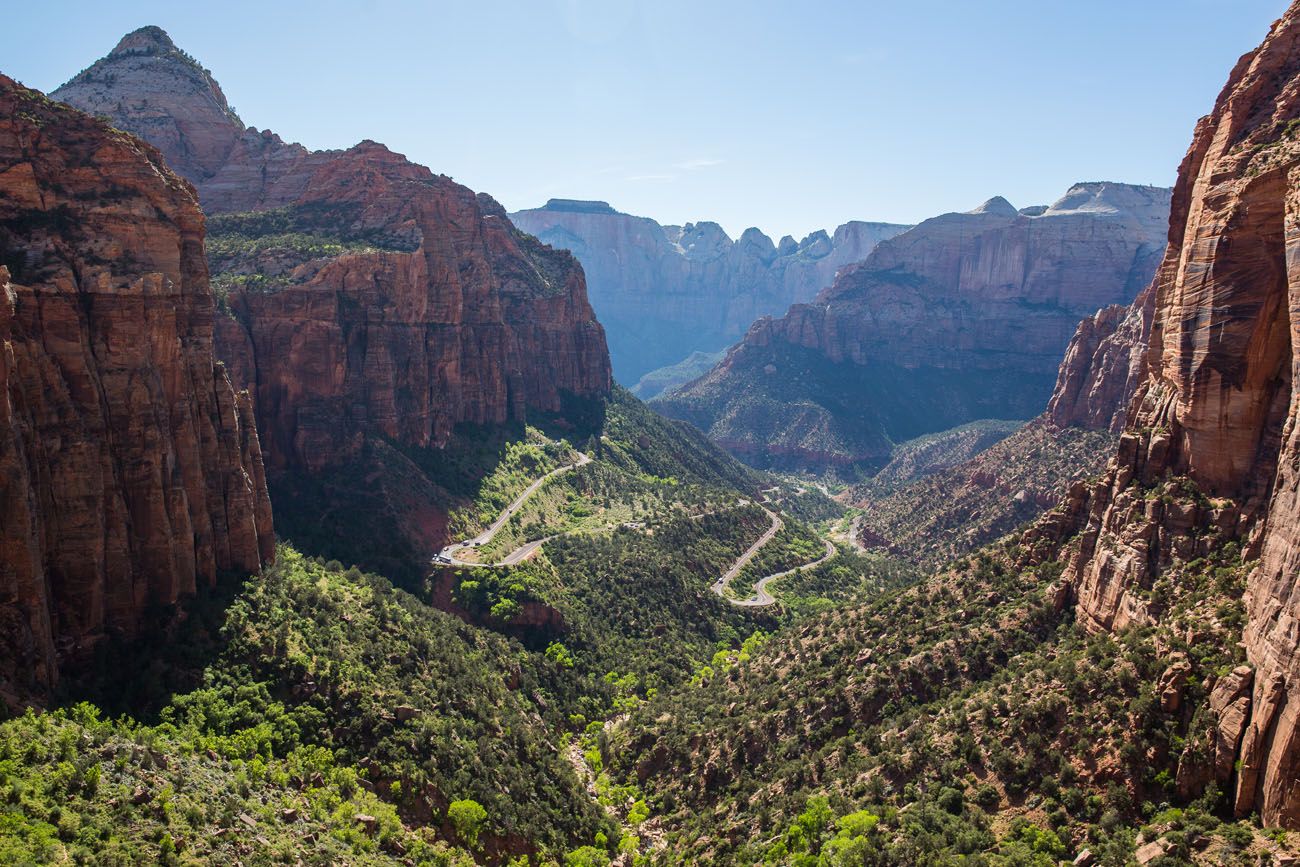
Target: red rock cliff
(1103,366)
(1216,405)
(371,302)
(130,471)
(478,323)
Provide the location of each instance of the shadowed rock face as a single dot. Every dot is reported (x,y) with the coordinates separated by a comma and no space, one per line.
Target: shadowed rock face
(479,323)
(130,471)
(964,317)
(664,292)
(1215,403)
(437,312)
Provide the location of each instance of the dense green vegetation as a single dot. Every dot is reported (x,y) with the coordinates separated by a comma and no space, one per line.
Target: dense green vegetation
(645,465)
(319,705)
(967,717)
(794,545)
(803,501)
(516,465)
(597,701)
(847,578)
(329,695)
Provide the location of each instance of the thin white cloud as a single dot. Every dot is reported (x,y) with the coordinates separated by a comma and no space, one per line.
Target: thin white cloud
(651,177)
(699,163)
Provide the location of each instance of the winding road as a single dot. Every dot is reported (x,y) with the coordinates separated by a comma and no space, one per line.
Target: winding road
(447,556)
(854,536)
(761,597)
(720,586)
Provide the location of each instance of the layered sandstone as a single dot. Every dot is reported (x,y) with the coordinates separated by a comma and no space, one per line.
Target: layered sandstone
(478,323)
(370,305)
(1103,366)
(664,292)
(964,317)
(1216,409)
(130,470)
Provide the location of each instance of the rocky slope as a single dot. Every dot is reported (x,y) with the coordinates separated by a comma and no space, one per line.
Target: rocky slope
(964,317)
(1215,408)
(130,470)
(950,510)
(372,306)
(953,510)
(153,89)
(664,292)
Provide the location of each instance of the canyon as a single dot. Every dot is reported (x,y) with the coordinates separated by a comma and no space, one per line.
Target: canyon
(964,317)
(931,513)
(666,292)
(247,389)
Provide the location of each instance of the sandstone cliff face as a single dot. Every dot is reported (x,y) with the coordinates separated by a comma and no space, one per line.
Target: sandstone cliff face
(963,317)
(368,304)
(1103,366)
(1216,406)
(478,323)
(663,292)
(130,471)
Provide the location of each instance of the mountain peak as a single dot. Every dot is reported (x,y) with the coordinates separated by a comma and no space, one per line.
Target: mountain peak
(149,40)
(146,84)
(997,205)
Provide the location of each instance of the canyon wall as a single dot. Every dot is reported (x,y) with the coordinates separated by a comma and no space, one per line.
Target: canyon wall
(1215,413)
(664,292)
(130,470)
(964,317)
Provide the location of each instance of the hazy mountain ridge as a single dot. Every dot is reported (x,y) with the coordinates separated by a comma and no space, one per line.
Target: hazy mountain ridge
(664,292)
(963,317)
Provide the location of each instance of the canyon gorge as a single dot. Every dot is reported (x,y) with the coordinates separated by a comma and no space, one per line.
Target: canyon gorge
(328,534)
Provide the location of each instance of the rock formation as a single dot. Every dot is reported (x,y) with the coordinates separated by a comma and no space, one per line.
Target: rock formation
(664,292)
(477,323)
(153,89)
(1215,409)
(1102,367)
(130,471)
(369,303)
(963,317)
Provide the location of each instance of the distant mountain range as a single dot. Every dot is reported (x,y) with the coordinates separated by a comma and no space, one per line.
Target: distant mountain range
(964,317)
(664,292)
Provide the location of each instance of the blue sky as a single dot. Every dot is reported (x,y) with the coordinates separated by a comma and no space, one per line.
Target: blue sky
(788,116)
